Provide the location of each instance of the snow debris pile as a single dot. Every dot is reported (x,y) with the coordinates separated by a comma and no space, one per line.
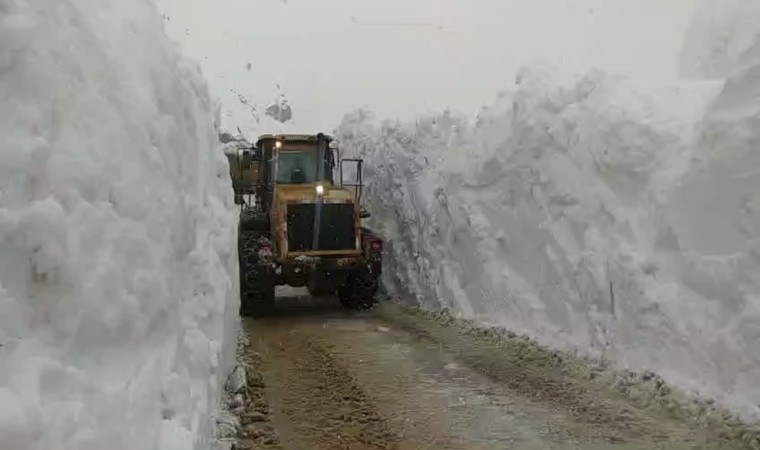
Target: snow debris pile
(590,212)
(117,230)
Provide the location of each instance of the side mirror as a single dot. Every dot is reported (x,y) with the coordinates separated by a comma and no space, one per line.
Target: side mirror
(363,214)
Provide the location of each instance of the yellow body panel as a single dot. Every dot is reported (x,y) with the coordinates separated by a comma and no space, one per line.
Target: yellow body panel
(307,193)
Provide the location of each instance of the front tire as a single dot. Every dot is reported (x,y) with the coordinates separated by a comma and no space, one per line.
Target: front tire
(358,291)
(257,299)
(256,283)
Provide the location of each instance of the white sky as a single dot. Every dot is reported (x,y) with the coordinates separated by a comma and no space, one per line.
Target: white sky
(405,57)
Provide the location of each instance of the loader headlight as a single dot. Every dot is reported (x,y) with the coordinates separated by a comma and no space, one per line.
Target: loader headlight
(320,189)
(278,145)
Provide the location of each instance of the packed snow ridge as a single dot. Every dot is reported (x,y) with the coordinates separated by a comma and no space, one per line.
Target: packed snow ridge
(117,230)
(591,212)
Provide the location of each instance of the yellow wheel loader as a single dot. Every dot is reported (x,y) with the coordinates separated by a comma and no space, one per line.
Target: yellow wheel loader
(300,223)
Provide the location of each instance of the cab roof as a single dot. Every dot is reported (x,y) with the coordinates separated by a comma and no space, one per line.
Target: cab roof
(292,137)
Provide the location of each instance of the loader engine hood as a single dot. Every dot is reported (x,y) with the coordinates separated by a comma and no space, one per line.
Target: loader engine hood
(315,219)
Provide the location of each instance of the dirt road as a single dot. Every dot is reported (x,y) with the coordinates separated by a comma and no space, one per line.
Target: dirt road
(382,380)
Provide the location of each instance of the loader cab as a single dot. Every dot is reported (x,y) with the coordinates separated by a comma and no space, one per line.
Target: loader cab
(299,166)
(297,159)
(290,160)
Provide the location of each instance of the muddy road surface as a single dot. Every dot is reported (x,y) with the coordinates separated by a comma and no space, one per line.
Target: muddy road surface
(332,379)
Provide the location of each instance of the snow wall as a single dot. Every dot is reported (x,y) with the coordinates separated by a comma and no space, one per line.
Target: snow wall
(720,38)
(118,315)
(591,212)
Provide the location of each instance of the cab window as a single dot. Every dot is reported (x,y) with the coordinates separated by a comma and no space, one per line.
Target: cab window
(296,167)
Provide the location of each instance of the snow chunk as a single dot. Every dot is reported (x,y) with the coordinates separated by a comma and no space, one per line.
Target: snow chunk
(236,381)
(280,110)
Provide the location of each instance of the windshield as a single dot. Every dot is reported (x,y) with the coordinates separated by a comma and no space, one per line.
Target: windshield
(295,167)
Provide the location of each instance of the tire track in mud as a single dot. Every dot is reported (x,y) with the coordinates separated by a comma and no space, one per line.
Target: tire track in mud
(391,379)
(319,403)
(351,381)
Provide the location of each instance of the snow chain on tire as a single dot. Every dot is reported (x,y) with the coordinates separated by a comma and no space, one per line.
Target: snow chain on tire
(256,286)
(359,291)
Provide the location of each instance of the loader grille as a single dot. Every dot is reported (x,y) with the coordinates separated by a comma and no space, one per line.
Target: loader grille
(336,227)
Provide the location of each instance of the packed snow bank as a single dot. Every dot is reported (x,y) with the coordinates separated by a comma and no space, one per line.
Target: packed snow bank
(117,230)
(589,212)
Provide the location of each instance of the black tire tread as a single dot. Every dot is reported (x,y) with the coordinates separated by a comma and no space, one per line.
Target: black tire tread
(256,284)
(359,291)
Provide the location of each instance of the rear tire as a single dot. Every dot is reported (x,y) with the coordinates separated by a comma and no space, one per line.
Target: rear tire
(359,290)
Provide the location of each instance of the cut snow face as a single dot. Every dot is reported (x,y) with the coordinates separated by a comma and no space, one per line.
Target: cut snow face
(591,212)
(117,229)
